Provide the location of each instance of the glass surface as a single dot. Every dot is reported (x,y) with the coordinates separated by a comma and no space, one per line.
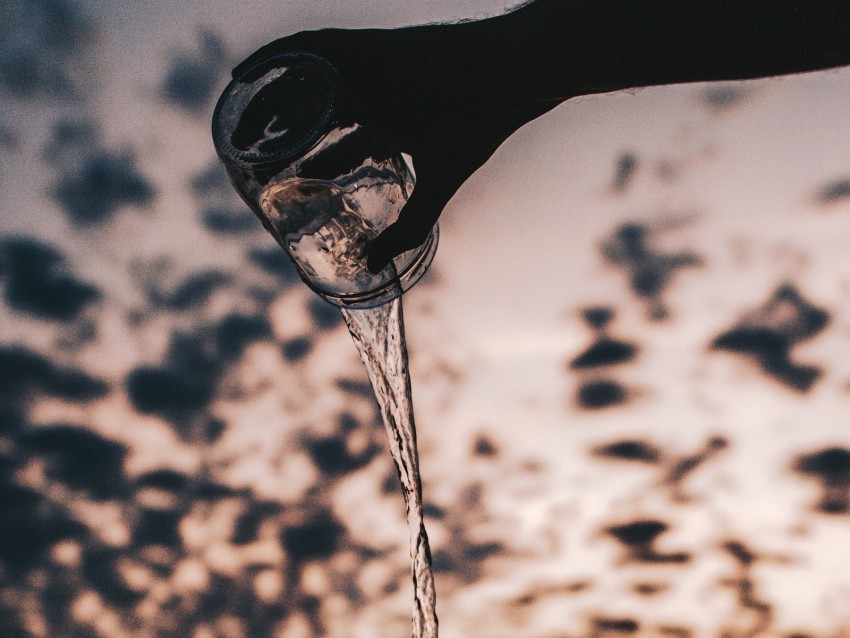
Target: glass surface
(323,185)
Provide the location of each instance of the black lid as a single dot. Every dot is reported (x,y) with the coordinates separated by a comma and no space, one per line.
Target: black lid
(276,110)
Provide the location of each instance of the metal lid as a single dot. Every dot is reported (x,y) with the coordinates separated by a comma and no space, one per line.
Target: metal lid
(276,110)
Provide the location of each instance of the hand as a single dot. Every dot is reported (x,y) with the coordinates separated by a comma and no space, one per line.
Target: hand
(433,91)
(449,95)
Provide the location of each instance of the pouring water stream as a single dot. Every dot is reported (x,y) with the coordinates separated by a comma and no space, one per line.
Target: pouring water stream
(378,334)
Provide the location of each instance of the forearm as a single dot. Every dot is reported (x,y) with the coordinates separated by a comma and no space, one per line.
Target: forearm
(574,47)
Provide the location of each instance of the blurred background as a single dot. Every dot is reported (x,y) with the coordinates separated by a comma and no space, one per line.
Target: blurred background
(630,361)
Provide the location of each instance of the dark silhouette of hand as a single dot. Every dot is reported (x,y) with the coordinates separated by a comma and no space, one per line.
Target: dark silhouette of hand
(450,94)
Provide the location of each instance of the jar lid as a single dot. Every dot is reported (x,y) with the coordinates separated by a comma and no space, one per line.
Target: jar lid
(276,110)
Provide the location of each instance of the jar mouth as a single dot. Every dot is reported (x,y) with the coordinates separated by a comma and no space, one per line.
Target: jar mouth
(276,110)
(411,271)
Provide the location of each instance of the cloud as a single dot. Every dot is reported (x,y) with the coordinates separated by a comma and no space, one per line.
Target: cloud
(24,372)
(325,316)
(71,141)
(38,283)
(296,349)
(104,182)
(275,262)
(650,271)
(80,459)
(769,333)
(624,172)
(212,182)
(194,291)
(191,79)
(725,97)
(630,450)
(41,42)
(604,352)
(102,572)
(229,221)
(30,525)
(317,538)
(180,389)
(835,191)
(604,393)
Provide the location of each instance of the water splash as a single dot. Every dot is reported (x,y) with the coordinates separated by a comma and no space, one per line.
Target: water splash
(378,334)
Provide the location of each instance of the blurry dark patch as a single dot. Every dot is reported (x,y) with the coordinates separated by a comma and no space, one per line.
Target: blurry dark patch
(353,386)
(768,334)
(100,569)
(639,538)
(650,589)
(325,316)
(213,491)
(212,182)
(724,97)
(104,182)
(596,395)
(746,588)
(318,538)
(835,191)
(606,626)
(685,466)
(191,80)
(168,480)
(577,586)
(167,392)
(740,552)
(638,533)
(830,466)
(248,524)
(184,384)
(604,352)
(296,349)
(347,422)
(229,221)
(674,631)
(332,457)
(667,170)
(194,291)
(81,459)
(443,562)
(630,451)
(236,331)
(29,526)
(23,372)
(12,420)
(158,527)
(650,271)
(247,528)
(429,510)
(70,141)
(482,551)
(483,446)
(213,429)
(275,262)
(598,317)
(40,46)
(624,172)
(38,283)
(8,138)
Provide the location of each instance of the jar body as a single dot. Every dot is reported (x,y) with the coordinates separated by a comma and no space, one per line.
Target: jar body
(322,184)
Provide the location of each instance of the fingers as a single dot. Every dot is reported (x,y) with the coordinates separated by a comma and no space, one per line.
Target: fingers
(415,221)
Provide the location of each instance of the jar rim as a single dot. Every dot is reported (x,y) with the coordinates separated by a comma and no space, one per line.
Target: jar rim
(242,89)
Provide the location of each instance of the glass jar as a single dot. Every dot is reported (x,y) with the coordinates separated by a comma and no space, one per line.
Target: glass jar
(321,183)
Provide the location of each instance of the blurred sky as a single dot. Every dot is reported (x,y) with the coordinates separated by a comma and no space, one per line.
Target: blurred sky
(706,225)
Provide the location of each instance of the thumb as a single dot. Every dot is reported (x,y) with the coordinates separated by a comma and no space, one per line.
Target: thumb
(415,221)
